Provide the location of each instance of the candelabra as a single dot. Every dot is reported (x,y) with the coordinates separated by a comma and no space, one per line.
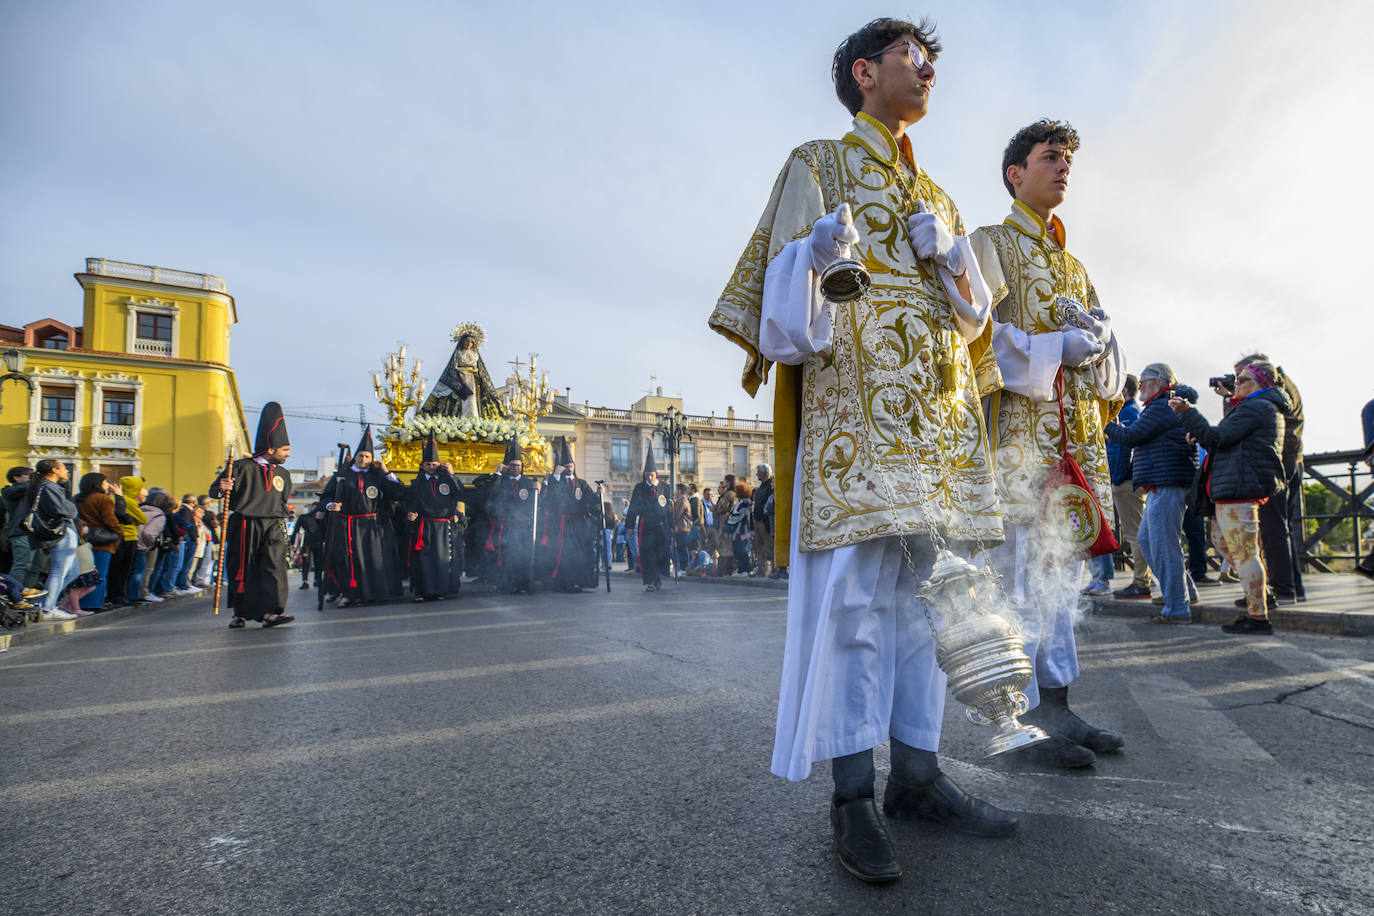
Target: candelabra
(528,398)
(400,391)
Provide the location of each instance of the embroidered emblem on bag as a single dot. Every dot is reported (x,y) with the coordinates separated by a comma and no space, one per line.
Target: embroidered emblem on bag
(443,489)
(371,492)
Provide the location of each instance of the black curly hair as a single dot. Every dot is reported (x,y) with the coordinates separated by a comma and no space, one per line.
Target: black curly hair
(868,41)
(1043,131)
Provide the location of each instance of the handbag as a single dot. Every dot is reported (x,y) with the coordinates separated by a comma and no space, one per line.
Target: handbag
(100,536)
(1069,506)
(34,525)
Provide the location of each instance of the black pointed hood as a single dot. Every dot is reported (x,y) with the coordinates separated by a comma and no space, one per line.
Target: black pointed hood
(649,464)
(431,449)
(565,457)
(271,429)
(513,452)
(365,443)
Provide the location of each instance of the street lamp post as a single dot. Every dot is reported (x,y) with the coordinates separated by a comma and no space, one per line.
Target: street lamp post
(672,430)
(14,368)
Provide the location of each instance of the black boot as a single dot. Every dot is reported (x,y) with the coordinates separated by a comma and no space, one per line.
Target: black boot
(1057,752)
(941,800)
(1054,716)
(861,841)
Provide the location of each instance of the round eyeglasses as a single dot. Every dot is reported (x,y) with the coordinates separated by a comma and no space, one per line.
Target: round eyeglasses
(913,51)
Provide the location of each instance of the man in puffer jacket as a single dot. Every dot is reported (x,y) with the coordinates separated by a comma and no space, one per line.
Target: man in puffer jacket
(1163,463)
(1245,468)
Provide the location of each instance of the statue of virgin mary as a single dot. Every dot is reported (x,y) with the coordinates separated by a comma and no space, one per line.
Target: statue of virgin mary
(465,389)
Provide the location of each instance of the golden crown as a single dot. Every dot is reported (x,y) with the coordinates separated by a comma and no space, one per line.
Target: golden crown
(469,329)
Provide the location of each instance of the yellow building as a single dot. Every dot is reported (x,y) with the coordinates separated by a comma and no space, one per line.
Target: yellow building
(142,386)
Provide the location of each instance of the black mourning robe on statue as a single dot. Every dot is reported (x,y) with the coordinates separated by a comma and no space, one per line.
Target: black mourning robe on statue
(362,547)
(511,505)
(571,519)
(436,542)
(647,519)
(255,544)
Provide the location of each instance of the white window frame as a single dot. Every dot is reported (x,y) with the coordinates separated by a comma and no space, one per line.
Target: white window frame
(152,307)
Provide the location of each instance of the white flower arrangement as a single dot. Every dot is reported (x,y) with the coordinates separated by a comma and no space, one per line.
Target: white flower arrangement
(461,429)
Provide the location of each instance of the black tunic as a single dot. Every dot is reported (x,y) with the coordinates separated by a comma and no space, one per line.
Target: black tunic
(647,519)
(572,529)
(511,505)
(361,551)
(255,544)
(478,559)
(436,541)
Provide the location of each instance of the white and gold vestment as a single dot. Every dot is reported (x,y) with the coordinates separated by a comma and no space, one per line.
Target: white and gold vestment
(1025,264)
(878,432)
(848,434)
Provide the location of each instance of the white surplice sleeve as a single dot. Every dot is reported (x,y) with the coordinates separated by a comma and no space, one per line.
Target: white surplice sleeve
(1110,369)
(1029,362)
(796,320)
(970,317)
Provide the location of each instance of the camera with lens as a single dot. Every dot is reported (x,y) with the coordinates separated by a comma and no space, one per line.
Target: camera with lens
(1225,381)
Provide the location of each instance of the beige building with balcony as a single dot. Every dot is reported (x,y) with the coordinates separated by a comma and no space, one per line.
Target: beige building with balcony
(141,386)
(610,445)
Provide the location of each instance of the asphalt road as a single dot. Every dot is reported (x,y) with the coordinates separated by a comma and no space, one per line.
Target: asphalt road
(609,754)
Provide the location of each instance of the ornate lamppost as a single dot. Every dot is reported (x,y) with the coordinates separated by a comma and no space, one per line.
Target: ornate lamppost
(14,368)
(672,430)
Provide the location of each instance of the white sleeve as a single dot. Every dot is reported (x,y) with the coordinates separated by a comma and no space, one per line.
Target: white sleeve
(796,319)
(1028,362)
(1110,370)
(970,317)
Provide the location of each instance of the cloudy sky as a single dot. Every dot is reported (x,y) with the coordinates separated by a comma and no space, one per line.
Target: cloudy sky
(579,179)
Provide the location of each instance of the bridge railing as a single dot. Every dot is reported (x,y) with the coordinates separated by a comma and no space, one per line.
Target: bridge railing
(1337,487)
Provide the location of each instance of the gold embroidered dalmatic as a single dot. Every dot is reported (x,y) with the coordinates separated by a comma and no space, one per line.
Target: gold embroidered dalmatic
(897,360)
(1026,267)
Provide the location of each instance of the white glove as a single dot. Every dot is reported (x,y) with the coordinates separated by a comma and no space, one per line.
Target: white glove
(831,238)
(932,240)
(1080,348)
(1099,325)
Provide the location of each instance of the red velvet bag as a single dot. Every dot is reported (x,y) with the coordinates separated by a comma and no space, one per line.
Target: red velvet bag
(1069,506)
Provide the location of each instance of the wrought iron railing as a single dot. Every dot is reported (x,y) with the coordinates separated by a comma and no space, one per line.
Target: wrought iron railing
(1346,477)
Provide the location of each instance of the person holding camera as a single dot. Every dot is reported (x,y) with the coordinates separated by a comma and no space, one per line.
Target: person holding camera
(1244,469)
(1280,518)
(1163,464)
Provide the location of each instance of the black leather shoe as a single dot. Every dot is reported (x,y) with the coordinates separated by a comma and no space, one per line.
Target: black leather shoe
(1058,752)
(861,841)
(1054,716)
(942,801)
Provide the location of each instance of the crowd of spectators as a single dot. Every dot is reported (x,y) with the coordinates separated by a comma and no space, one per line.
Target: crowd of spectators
(726,532)
(1172,471)
(108,544)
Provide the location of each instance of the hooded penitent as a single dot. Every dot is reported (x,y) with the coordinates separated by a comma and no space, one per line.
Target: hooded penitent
(431,449)
(513,451)
(365,443)
(649,460)
(271,429)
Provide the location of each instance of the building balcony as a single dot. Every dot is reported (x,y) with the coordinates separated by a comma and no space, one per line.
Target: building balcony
(144,347)
(53,433)
(110,435)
